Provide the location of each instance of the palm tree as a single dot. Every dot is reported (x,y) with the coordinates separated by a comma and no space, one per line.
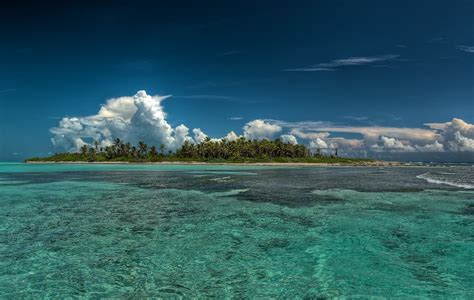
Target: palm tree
(91,155)
(153,152)
(117,146)
(126,149)
(162,149)
(133,152)
(123,149)
(84,150)
(142,148)
(109,152)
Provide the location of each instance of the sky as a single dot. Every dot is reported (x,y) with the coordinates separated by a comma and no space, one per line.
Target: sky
(382,79)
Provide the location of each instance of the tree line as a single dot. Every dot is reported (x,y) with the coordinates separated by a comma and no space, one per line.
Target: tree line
(120,149)
(208,149)
(242,148)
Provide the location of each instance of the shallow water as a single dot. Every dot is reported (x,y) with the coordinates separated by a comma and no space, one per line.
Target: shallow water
(225,231)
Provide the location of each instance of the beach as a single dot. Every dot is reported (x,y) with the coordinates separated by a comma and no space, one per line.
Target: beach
(275,164)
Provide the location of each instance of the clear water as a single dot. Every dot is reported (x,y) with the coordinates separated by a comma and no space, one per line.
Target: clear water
(201,231)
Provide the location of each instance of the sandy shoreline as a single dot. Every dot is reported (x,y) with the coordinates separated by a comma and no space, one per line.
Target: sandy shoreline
(289,164)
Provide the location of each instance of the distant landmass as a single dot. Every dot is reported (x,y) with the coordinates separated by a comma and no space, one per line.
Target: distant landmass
(207,151)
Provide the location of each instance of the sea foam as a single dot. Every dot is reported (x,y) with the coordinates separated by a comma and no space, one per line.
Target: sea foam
(426,176)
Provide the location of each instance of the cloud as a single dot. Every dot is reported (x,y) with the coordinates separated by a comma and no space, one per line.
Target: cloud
(308,135)
(372,133)
(142,117)
(435,147)
(149,122)
(123,108)
(315,129)
(452,137)
(391,144)
(180,136)
(461,143)
(360,119)
(345,62)
(235,118)
(131,118)
(199,136)
(347,145)
(318,144)
(456,135)
(301,125)
(394,145)
(231,136)
(469,49)
(288,139)
(259,130)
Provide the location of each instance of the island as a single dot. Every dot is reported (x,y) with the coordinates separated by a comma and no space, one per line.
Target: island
(208,151)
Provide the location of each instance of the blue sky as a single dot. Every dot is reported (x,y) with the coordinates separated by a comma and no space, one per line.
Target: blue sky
(361,64)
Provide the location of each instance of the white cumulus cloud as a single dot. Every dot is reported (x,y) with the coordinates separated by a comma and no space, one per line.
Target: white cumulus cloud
(456,135)
(260,130)
(448,138)
(231,136)
(391,144)
(134,118)
(288,139)
(318,143)
(199,136)
(142,117)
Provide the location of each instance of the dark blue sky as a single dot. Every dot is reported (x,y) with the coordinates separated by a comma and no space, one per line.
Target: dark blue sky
(241,59)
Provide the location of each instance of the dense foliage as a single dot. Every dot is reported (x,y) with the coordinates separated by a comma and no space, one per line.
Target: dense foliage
(240,150)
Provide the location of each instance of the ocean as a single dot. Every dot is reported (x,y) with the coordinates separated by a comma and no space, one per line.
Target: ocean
(199,231)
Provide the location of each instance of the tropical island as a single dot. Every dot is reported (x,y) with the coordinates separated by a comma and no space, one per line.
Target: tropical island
(207,151)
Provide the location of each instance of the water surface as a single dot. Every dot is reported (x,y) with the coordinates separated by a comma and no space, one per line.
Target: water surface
(229,231)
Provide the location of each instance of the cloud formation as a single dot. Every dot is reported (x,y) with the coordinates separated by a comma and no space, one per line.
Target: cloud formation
(464,48)
(345,62)
(372,133)
(318,143)
(288,139)
(199,136)
(391,144)
(449,137)
(456,135)
(139,117)
(260,130)
(231,136)
(142,117)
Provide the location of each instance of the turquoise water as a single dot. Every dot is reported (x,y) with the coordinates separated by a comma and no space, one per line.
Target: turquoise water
(246,232)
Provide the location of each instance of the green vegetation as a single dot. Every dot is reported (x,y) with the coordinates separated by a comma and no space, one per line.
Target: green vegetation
(238,151)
